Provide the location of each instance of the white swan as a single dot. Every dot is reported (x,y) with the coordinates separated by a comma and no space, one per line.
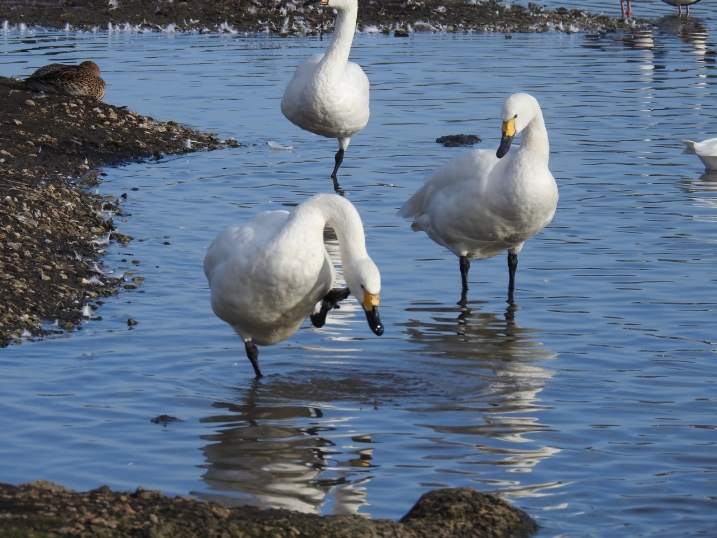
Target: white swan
(705,150)
(483,202)
(268,274)
(328,95)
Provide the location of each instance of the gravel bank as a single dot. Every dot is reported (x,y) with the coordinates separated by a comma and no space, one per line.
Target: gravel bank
(42,509)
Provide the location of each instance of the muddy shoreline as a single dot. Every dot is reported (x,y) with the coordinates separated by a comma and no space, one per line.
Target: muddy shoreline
(43,509)
(286,17)
(53,229)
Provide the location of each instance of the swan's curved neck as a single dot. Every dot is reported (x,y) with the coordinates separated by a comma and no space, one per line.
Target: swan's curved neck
(534,137)
(332,210)
(338,52)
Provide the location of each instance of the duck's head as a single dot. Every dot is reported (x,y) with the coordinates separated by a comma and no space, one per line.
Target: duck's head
(92,67)
(518,112)
(364,281)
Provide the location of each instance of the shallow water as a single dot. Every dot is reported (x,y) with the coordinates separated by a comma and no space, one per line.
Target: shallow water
(593,409)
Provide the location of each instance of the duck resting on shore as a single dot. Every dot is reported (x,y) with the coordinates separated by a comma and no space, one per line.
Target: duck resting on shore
(82,80)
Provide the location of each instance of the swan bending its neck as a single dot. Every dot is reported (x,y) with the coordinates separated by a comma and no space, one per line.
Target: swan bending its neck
(267,275)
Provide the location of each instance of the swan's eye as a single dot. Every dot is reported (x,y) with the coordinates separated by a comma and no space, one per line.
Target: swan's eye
(515,116)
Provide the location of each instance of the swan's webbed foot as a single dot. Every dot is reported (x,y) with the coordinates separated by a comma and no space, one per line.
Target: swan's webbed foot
(338,159)
(253,355)
(329,302)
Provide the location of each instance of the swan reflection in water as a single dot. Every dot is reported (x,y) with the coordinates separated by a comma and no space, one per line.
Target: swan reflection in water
(464,406)
(495,382)
(261,456)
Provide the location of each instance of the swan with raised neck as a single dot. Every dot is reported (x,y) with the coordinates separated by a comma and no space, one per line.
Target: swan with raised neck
(328,95)
(482,203)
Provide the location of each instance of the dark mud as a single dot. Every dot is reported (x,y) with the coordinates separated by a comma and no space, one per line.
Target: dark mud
(286,17)
(42,509)
(52,229)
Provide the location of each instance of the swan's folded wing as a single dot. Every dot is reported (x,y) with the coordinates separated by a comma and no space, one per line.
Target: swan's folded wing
(472,165)
(236,241)
(706,148)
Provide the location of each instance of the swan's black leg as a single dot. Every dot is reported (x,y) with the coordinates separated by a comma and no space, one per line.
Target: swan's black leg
(339,158)
(465,264)
(329,302)
(253,354)
(337,188)
(512,266)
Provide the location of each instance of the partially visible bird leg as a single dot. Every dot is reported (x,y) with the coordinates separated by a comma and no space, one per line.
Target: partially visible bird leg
(253,354)
(512,266)
(465,265)
(329,302)
(339,158)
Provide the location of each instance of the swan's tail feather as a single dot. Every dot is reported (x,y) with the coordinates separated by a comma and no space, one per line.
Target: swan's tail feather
(413,207)
(689,147)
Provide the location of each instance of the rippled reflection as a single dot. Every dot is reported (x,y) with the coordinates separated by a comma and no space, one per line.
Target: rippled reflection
(500,378)
(688,29)
(494,351)
(262,456)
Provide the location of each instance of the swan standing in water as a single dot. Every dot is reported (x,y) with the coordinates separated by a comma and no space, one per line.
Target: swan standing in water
(328,95)
(481,203)
(268,274)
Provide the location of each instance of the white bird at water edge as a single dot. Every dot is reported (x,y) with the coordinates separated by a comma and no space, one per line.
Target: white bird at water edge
(328,95)
(483,202)
(268,274)
(705,150)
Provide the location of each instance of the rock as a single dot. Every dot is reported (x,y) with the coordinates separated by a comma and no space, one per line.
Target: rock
(459,513)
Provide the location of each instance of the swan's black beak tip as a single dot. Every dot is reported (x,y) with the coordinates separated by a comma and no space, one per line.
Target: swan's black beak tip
(374,321)
(505,142)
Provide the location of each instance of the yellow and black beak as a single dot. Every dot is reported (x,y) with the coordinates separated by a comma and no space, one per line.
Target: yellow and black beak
(507,139)
(370,305)
(316,3)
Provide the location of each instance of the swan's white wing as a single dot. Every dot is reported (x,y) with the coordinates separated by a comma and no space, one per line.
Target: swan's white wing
(473,166)
(237,244)
(352,103)
(707,148)
(336,108)
(291,102)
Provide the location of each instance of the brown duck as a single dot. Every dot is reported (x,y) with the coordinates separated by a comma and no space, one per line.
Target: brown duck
(78,80)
